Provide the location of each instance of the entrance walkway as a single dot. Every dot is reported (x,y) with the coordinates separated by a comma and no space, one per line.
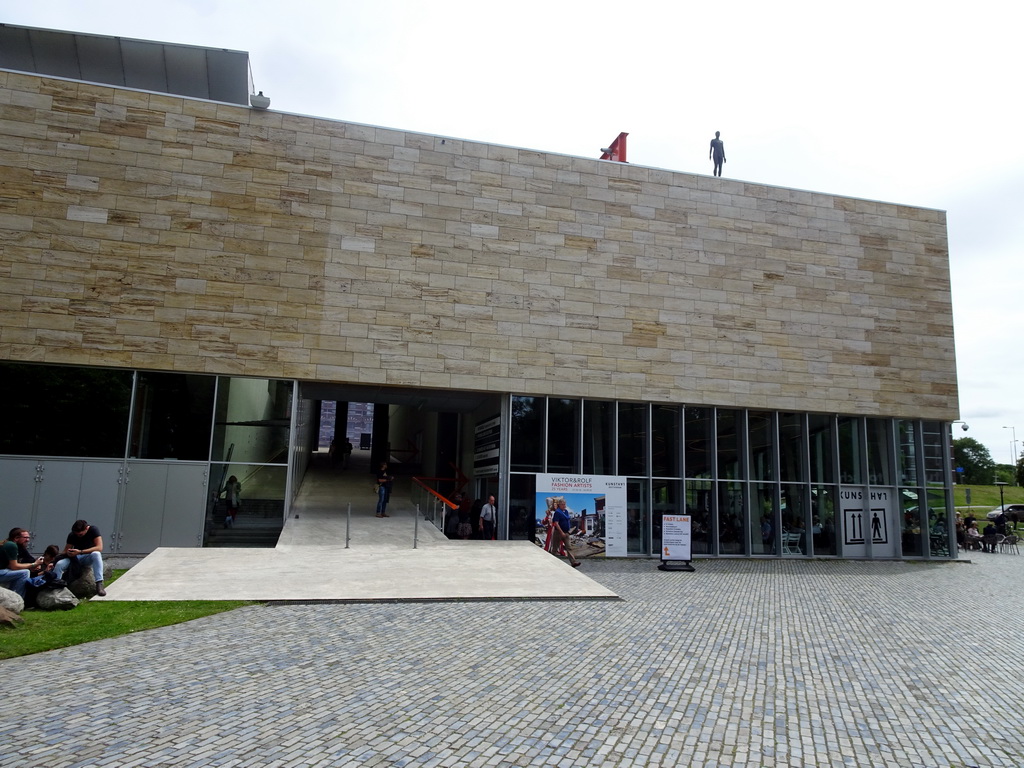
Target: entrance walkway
(381,563)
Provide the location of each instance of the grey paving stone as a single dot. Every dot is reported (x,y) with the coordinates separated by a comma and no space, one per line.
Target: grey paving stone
(745,663)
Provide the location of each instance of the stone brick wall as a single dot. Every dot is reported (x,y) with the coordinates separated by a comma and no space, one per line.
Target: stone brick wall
(160,232)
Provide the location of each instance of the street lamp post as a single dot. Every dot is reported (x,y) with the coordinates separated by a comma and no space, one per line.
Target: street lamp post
(1000,483)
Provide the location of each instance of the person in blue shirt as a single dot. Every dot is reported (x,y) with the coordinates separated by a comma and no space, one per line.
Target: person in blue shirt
(384,481)
(560,526)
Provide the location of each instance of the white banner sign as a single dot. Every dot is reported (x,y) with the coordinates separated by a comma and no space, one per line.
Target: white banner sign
(675,537)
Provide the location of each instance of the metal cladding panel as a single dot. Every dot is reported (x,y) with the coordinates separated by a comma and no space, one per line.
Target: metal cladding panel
(54,54)
(100,59)
(229,76)
(144,66)
(187,73)
(15,49)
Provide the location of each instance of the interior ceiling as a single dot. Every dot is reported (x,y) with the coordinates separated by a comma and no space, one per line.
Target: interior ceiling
(440,400)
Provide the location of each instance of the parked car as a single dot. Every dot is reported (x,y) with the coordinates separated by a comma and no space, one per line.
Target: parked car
(1011,510)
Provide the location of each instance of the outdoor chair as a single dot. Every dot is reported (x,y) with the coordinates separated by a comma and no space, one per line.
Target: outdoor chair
(993,541)
(791,544)
(1009,544)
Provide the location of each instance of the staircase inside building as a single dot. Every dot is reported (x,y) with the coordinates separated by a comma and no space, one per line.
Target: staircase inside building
(258,524)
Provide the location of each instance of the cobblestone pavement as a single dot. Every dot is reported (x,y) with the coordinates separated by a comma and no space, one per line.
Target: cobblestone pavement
(743,663)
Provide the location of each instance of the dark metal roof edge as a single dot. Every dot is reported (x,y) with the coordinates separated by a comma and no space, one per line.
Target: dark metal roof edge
(119,37)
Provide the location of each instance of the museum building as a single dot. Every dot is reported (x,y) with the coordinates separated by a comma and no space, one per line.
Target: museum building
(185,278)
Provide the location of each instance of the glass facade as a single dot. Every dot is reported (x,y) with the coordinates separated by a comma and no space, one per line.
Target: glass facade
(64,411)
(756,483)
(171,416)
(152,422)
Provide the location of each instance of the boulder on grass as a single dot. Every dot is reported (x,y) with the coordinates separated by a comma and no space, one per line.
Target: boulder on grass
(62,599)
(11,600)
(84,586)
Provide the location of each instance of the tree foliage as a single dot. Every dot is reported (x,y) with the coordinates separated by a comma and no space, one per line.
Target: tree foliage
(977,463)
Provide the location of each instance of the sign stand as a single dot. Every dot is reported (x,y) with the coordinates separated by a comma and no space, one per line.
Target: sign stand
(675,543)
(676,565)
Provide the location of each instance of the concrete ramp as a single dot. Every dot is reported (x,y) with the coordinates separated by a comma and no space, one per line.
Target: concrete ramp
(497,570)
(397,558)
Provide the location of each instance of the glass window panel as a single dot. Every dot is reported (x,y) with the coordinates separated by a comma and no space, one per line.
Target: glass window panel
(728,423)
(54,410)
(764,519)
(563,435)
(699,442)
(762,445)
(637,518)
(935,466)
(666,495)
(821,442)
(253,420)
(598,437)
(698,506)
(665,441)
(732,514)
(938,523)
(261,501)
(824,522)
(522,522)
(906,438)
(172,418)
(850,451)
(792,448)
(527,427)
(910,507)
(879,452)
(632,439)
(794,520)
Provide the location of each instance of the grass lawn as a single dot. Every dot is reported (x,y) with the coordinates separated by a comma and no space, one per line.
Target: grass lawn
(985,497)
(46,630)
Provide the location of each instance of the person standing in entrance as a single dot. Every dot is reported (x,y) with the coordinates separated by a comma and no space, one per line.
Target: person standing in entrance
(384,481)
(717,153)
(488,517)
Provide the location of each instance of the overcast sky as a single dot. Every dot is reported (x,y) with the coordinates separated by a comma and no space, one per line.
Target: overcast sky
(908,102)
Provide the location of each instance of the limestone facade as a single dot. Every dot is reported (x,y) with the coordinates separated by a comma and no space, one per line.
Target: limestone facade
(152,231)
